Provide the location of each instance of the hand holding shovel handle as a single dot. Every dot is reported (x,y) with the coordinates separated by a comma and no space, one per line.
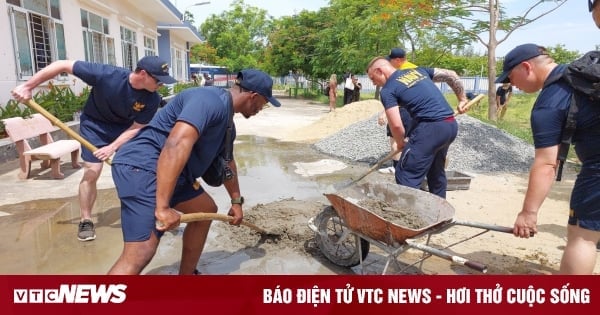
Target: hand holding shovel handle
(471,103)
(56,122)
(203,216)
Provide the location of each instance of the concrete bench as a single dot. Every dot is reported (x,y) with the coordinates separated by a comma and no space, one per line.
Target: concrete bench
(21,130)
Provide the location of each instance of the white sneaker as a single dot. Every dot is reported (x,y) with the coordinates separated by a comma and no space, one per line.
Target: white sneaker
(387,170)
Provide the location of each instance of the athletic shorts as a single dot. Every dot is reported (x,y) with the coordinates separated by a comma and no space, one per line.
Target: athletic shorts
(585,199)
(136,189)
(99,134)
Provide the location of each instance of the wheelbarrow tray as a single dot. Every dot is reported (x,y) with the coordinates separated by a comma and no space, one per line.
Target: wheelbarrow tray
(396,212)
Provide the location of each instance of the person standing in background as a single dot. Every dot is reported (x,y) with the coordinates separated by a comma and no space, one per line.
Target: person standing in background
(503,94)
(357,87)
(348,88)
(332,92)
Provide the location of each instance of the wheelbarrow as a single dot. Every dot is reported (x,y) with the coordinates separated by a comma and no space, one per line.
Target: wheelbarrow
(389,216)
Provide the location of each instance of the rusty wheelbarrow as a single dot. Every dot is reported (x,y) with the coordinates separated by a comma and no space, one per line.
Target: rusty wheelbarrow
(389,216)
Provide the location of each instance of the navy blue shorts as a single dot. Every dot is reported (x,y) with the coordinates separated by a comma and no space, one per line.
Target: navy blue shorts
(137,191)
(585,199)
(99,134)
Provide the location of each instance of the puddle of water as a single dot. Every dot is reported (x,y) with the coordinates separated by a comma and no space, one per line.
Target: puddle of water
(39,237)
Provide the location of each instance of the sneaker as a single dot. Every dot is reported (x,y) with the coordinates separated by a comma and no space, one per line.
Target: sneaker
(86,231)
(387,170)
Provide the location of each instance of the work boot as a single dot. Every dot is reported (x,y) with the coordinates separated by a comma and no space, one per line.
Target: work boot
(86,231)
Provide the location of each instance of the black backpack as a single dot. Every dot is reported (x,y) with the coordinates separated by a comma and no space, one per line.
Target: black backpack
(583,75)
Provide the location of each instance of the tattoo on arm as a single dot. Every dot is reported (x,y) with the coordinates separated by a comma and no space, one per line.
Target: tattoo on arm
(451,78)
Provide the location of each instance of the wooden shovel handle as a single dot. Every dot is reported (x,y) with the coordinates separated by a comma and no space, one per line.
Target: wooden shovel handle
(471,103)
(202,216)
(56,122)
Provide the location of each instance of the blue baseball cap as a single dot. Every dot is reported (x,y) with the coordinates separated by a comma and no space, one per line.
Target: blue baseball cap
(157,68)
(516,56)
(396,53)
(259,82)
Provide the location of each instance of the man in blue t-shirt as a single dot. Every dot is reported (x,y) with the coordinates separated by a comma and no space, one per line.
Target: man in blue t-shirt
(121,102)
(433,124)
(531,69)
(155,173)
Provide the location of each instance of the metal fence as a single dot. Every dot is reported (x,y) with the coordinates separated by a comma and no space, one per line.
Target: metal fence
(475,85)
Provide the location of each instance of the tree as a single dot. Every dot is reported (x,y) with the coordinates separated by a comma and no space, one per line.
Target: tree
(292,43)
(239,35)
(473,21)
(204,53)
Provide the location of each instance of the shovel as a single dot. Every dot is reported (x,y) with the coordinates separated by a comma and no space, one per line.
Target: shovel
(374,167)
(203,216)
(471,102)
(56,122)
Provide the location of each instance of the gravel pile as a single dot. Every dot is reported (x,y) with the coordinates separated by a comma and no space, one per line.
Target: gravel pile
(478,148)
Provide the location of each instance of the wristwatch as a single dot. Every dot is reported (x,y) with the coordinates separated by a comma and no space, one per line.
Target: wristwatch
(239,201)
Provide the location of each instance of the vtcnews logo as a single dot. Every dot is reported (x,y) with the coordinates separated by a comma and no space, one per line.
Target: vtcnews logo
(73,294)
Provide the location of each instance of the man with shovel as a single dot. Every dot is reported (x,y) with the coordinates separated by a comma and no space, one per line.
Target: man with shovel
(155,173)
(121,102)
(434,127)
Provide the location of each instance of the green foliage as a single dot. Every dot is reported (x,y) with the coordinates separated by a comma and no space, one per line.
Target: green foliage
(561,55)
(178,87)
(13,109)
(164,90)
(239,36)
(62,102)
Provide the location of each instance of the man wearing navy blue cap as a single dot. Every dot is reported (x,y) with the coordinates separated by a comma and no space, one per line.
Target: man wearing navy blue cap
(155,173)
(397,58)
(434,127)
(121,102)
(531,69)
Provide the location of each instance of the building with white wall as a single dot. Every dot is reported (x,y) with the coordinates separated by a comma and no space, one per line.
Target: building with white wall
(119,32)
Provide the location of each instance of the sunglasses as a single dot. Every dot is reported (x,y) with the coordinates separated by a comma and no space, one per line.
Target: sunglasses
(156,80)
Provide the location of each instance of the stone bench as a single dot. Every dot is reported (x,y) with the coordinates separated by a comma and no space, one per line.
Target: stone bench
(20,130)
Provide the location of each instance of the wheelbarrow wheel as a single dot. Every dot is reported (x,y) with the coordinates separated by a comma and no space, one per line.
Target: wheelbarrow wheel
(336,241)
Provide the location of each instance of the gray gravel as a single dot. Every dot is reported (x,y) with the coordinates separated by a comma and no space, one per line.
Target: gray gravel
(478,148)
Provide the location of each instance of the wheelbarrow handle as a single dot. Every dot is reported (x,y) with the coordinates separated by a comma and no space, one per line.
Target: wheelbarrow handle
(454,258)
(491,227)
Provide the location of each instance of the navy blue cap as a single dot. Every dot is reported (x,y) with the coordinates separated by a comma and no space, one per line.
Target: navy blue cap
(396,53)
(516,56)
(157,68)
(259,82)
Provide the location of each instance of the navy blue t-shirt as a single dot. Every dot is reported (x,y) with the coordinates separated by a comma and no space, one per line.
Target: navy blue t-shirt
(207,109)
(414,90)
(112,98)
(549,114)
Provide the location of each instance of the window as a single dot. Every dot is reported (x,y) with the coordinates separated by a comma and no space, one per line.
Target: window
(38,34)
(98,46)
(130,49)
(149,46)
(177,63)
